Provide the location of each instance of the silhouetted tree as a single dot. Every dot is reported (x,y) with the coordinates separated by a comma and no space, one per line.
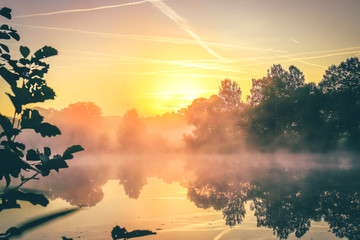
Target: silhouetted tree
(341,88)
(275,103)
(26,80)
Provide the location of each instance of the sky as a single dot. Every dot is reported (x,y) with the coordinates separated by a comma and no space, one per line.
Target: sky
(159,55)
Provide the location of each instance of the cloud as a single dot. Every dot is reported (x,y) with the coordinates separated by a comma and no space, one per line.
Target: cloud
(81,9)
(182,24)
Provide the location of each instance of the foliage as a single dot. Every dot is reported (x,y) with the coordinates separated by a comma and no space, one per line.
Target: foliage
(230,94)
(282,112)
(25,77)
(216,120)
(284,200)
(287,113)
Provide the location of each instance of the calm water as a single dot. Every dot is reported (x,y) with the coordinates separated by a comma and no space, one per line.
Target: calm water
(248,196)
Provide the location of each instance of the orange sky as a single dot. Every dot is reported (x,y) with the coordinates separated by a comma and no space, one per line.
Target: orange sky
(158,55)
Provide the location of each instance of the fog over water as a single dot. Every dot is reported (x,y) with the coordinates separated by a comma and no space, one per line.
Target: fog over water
(131,162)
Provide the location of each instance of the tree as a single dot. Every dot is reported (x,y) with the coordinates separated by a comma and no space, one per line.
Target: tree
(272,100)
(25,77)
(278,83)
(230,94)
(341,88)
(132,132)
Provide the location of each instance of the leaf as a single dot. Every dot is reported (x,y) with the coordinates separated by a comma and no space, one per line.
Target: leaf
(4,35)
(45,52)
(3,46)
(5,56)
(11,133)
(47,151)
(32,155)
(70,150)
(5,27)
(31,119)
(34,198)
(9,77)
(14,35)
(25,51)
(47,130)
(5,12)
(52,164)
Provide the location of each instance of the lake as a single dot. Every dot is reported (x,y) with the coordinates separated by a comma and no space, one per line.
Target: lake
(180,196)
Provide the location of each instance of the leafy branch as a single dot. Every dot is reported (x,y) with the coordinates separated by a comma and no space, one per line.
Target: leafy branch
(25,77)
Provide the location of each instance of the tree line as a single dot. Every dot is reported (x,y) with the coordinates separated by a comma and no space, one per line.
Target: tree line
(281,112)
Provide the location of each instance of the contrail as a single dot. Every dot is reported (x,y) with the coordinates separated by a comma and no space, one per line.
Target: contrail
(82,9)
(182,24)
(152,38)
(302,59)
(218,237)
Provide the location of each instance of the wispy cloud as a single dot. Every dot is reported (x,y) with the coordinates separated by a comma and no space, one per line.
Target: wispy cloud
(81,9)
(182,24)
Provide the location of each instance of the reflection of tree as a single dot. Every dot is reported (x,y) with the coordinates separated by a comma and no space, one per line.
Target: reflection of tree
(341,211)
(287,202)
(229,198)
(284,206)
(133,179)
(76,185)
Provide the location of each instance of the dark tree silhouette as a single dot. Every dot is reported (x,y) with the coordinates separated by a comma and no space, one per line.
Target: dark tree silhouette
(216,120)
(25,77)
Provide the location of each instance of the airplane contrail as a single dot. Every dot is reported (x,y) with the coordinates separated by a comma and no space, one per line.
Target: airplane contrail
(182,24)
(222,233)
(152,38)
(82,9)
